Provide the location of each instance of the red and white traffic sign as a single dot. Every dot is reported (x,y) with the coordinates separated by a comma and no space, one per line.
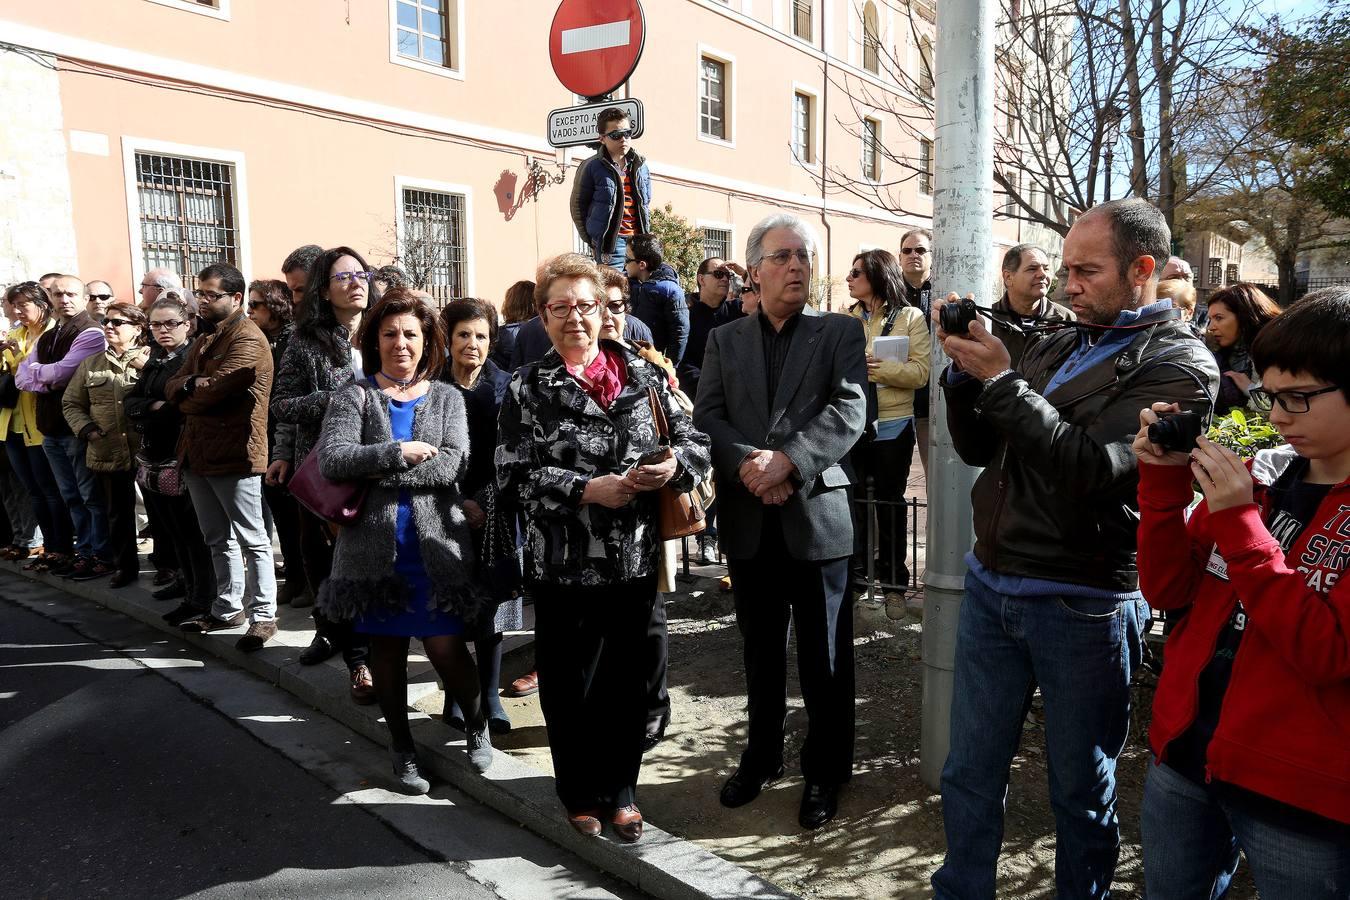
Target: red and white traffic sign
(595,45)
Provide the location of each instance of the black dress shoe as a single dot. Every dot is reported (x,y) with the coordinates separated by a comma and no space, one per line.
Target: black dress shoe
(122,579)
(819,804)
(172,591)
(319,649)
(744,785)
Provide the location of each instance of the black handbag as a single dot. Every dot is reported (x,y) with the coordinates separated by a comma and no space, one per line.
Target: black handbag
(9,391)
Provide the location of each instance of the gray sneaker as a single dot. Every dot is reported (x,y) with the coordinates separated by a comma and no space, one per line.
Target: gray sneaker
(408,773)
(478,744)
(707,550)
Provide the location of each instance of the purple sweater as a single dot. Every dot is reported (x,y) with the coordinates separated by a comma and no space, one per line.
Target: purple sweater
(44,378)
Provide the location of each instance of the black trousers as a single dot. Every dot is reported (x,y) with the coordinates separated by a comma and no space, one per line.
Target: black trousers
(316,551)
(887,463)
(179,521)
(658,655)
(119,496)
(590,652)
(286,519)
(774,590)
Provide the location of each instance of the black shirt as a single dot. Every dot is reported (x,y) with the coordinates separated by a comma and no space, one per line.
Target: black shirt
(702,320)
(920,297)
(776,346)
(1293,503)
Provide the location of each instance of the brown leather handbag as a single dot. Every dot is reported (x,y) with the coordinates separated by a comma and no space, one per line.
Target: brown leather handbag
(679,515)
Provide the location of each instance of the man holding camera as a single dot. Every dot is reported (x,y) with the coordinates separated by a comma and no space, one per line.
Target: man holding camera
(612,191)
(1051,595)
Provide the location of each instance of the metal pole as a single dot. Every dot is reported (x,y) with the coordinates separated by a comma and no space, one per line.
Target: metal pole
(963,261)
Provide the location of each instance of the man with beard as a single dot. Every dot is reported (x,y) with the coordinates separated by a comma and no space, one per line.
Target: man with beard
(1026,304)
(1052,592)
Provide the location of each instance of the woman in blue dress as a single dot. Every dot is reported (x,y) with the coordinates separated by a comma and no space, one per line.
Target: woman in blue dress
(404,569)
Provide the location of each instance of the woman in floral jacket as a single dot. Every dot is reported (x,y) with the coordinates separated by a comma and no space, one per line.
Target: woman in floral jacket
(578,449)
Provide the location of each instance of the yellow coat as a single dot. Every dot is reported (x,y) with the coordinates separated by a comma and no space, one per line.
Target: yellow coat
(23,417)
(897,381)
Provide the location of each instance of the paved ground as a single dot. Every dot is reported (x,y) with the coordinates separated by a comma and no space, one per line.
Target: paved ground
(161,772)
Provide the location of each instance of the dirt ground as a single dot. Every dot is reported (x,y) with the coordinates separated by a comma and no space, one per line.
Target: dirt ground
(887,839)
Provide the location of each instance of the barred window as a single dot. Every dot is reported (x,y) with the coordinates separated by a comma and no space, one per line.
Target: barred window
(926,68)
(712,115)
(801,19)
(716,242)
(1216,271)
(434,248)
(871,146)
(425,31)
(1233,277)
(871,41)
(187,213)
(925,166)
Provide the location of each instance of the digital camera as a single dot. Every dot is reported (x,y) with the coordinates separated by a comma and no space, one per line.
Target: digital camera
(1177,431)
(956,316)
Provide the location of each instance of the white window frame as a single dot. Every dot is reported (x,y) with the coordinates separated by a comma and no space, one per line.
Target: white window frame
(921,57)
(133,145)
(728,61)
(721,226)
(222,13)
(424,184)
(398,59)
(813,126)
(874,178)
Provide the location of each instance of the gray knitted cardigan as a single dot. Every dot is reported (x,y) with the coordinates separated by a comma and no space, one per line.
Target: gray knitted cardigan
(356,442)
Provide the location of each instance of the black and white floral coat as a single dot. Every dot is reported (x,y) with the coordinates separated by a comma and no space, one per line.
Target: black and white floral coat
(552,438)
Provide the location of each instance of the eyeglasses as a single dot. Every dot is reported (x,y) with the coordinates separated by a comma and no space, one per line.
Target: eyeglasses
(563,310)
(721,273)
(144,286)
(349,277)
(1291,401)
(211,296)
(855,273)
(781,257)
(167,325)
(619,134)
(117,323)
(616,307)
(101,298)
(906,251)
(629,259)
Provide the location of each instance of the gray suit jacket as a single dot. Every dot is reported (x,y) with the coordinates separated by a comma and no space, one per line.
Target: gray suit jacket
(816,417)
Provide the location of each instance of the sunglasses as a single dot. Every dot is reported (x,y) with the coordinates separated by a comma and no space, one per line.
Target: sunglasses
(619,134)
(617,307)
(855,273)
(906,251)
(101,298)
(721,273)
(117,323)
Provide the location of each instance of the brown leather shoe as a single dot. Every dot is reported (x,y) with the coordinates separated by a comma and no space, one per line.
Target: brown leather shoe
(525,686)
(627,822)
(586,822)
(363,686)
(258,633)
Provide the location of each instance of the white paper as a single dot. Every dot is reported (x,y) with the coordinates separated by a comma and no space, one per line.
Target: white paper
(894,347)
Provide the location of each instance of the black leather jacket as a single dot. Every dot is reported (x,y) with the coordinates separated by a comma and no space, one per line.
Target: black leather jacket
(1056,499)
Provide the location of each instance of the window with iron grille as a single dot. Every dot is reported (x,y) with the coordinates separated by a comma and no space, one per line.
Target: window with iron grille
(871,149)
(716,242)
(926,68)
(214,4)
(712,113)
(802,145)
(801,19)
(434,248)
(871,40)
(1216,270)
(187,213)
(426,31)
(925,166)
(1233,277)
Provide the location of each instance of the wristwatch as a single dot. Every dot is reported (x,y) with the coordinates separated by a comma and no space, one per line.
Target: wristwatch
(993,378)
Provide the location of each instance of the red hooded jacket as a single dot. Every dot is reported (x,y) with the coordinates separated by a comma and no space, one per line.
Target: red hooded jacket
(1284,725)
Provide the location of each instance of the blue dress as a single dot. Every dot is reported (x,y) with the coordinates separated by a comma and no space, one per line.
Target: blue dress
(422,619)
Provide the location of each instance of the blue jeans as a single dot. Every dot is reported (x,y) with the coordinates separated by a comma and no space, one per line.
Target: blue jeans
(614,259)
(1191,842)
(1080,652)
(81,492)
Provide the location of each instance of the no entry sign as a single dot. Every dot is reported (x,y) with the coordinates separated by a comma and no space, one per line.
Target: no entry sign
(594,45)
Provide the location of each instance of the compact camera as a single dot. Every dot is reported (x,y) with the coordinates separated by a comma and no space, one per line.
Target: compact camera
(956,316)
(735,286)
(1177,431)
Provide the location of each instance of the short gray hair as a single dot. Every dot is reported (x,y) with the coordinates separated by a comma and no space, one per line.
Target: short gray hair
(754,245)
(165,279)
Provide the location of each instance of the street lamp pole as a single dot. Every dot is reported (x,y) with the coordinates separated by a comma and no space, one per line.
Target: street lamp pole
(963,261)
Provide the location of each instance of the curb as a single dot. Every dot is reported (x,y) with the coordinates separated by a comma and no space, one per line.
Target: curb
(661,864)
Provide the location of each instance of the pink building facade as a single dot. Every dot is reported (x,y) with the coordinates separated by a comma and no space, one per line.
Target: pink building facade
(180,132)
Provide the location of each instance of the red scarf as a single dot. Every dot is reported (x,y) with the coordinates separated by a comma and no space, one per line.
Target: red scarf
(603,379)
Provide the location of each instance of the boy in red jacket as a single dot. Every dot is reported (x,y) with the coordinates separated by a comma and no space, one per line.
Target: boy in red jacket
(1251,719)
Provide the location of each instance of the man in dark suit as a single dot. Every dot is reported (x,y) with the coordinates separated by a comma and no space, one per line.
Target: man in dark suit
(781,397)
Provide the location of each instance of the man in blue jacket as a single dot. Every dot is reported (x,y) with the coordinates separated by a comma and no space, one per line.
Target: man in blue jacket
(657,296)
(612,191)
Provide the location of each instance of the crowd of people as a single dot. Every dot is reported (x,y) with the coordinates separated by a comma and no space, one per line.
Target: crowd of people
(475,463)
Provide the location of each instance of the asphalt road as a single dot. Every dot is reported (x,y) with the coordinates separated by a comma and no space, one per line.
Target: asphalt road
(132,766)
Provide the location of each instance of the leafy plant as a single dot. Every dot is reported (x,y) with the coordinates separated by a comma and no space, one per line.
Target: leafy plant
(681,243)
(1244,433)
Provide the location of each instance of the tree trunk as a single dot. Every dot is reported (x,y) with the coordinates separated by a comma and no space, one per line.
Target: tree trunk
(1285,262)
(1163,68)
(1135,102)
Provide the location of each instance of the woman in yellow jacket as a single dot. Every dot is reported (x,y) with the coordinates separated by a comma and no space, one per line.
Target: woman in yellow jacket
(23,442)
(886,451)
(92,405)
